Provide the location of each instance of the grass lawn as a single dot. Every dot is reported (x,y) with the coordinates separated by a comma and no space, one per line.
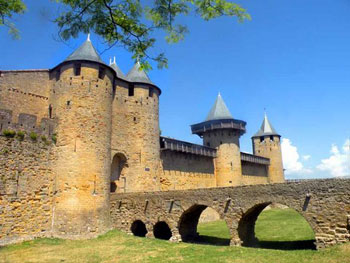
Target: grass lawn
(115,246)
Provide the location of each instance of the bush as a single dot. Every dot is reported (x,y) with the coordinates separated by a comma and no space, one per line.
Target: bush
(43,138)
(54,138)
(20,135)
(33,136)
(9,133)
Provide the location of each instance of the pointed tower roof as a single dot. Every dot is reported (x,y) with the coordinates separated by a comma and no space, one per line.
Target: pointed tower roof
(137,75)
(114,66)
(219,110)
(266,128)
(85,52)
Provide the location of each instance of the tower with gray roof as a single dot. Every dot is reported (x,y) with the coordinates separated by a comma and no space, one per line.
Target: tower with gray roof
(221,131)
(267,143)
(81,102)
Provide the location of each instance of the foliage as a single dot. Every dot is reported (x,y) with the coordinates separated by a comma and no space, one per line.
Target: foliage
(132,24)
(7,9)
(20,135)
(33,136)
(9,133)
(43,138)
(116,246)
(5,151)
(54,138)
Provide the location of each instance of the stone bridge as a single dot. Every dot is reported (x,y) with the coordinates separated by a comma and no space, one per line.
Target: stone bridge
(174,215)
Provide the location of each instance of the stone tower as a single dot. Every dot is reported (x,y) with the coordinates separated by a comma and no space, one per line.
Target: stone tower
(267,143)
(135,132)
(81,102)
(221,131)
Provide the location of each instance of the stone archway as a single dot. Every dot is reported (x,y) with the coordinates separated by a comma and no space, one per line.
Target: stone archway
(161,230)
(138,228)
(188,228)
(119,162)
(247,234)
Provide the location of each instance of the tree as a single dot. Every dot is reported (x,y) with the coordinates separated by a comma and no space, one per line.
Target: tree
(7,9)
(130,23)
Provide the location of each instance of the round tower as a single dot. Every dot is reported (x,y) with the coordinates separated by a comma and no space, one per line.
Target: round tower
(81,103)
(267,143)
(222,132)
(135,132)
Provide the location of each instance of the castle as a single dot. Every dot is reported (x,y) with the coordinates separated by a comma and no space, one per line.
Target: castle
(105,128)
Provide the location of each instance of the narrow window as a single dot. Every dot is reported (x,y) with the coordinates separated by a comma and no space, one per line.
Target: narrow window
(50,111)
(101,73)
(150,92)
(58,74)
(68,102)
(131,90)
(271,138)
(77,69)
(261,138)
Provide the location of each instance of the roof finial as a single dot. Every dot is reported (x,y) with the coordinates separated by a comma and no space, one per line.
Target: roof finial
(88,38)
(265,115)
(110,61)
(114,61)
(219,95)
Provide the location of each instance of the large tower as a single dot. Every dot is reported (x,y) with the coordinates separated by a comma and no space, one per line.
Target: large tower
(267,143)
(135,132)
(221,131)
(81,102)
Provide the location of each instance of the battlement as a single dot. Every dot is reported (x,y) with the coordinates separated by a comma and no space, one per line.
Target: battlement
(26,122)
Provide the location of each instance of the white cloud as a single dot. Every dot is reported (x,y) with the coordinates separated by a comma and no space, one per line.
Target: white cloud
(291,159)
(338,164)
(306,157)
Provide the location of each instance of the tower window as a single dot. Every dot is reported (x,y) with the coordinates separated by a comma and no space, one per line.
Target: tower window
(58,74)
(261,138)
(271,138)
(131,90)
(77,69)
(101,73)
(150,92)
(50,111)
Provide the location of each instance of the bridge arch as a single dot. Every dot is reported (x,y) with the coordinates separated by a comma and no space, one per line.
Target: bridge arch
(138,228)
(161,230)
(188,223)
(246,227)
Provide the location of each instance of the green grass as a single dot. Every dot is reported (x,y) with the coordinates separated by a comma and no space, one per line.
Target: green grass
(116,246)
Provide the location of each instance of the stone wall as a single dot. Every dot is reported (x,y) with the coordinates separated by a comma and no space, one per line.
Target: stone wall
(323,203)
(25,91)
(186,171)
(26,189)
(253,173)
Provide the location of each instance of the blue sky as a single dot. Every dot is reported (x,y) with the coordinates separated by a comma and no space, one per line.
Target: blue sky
(292,58)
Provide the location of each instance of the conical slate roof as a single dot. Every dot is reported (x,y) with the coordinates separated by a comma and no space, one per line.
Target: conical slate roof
(219,110)
(114,66)
(85,52)
(137,75)
(266,128)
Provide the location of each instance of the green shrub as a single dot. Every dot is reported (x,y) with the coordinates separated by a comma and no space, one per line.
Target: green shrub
(9,133)
(54,138)
(20,135)
(5,151)
(43,138)
(33,136)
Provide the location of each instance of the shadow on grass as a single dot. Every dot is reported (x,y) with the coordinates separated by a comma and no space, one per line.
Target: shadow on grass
(287,245)
(209,240)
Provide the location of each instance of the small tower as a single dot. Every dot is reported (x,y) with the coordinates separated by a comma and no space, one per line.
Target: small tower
(221,131)
(267,143)
(81,101)
(135,131)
